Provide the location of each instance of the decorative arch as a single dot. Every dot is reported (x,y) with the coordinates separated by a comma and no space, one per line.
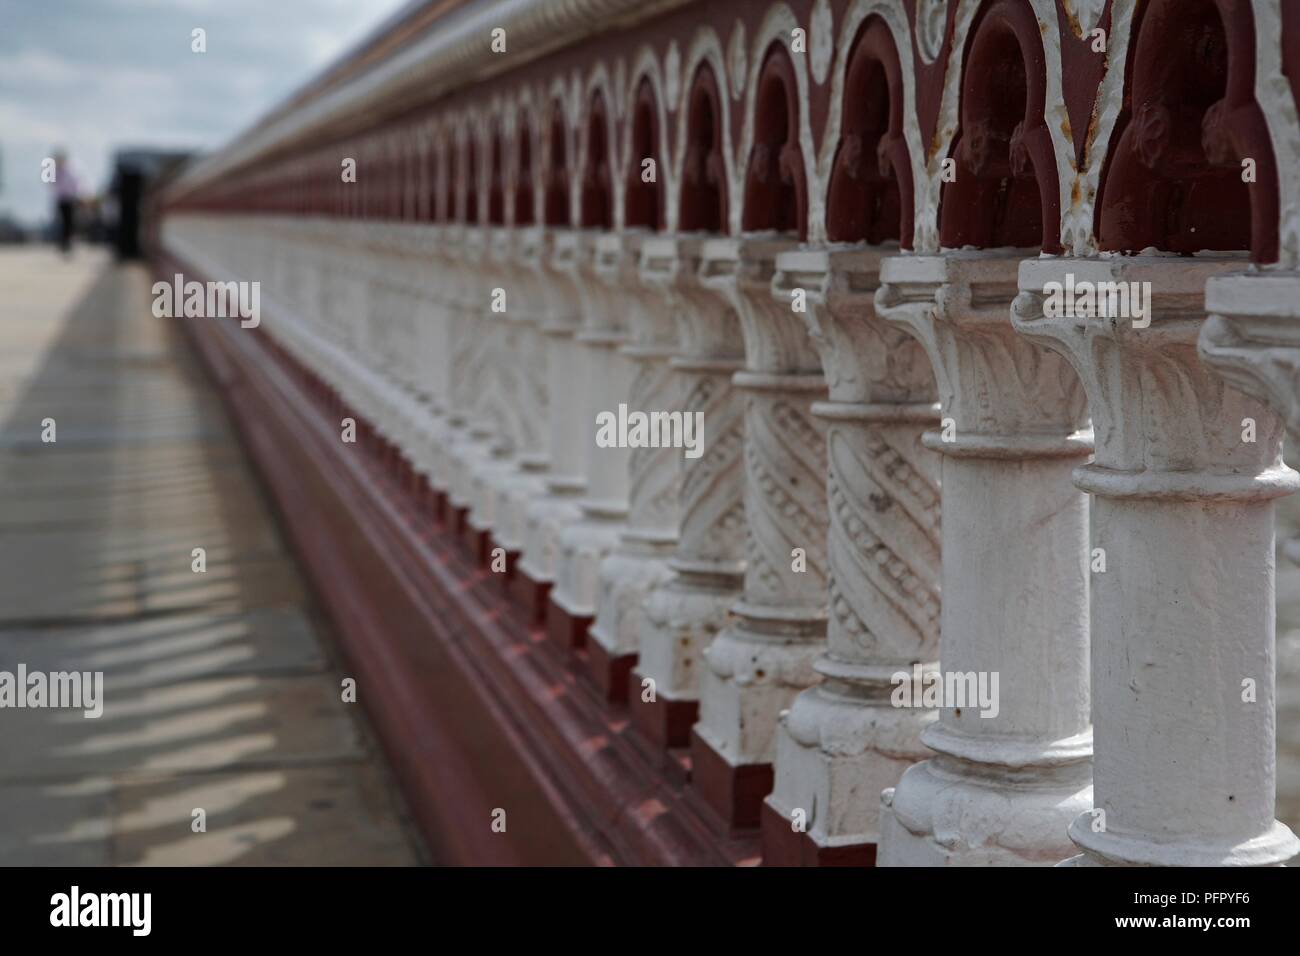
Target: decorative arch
(405,174)
(472,172)
(895,22)
(870,195)
(433,162)
(646,80)
(772,39)
(390,189)
(706,67)
(596,210)
(456,202)
(1173,179)
(496,199)
(1005,191)
(775,193)
(704,175)
(557,206)
(373,178)
(524,203)
(643,204)
(451,180)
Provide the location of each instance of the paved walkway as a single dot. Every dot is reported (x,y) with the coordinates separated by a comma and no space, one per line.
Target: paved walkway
(220,693)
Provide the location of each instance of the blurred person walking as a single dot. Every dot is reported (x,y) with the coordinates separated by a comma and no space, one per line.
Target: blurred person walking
(66,190)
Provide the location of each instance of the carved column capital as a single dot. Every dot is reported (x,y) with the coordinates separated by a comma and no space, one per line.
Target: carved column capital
(650,326)
(1252,337)
(776,340)
(590,265)
(1165,425)
(1006,398)
(865,360)
(708,329)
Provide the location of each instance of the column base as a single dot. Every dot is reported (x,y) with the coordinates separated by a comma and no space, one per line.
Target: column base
(566,630)
(733,793)
(940,814)
(609,672)
(424,495)
(626,580)
(837,748)
(412,480)
(664,722)
(1273,847)
(480,545)
(510,529)
(583,546)
(459,519)
(750,677)
(544,521)
(488,479)
(784,846)
(531,595)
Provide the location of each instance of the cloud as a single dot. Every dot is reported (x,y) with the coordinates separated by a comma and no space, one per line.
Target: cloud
(97,75)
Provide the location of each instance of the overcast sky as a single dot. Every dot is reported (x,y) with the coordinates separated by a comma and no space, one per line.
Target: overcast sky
(95,75)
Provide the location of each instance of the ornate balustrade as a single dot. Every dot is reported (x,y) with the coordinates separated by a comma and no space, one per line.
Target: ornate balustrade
(987,312)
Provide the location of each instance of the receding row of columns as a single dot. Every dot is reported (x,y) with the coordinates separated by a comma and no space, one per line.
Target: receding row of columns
(879,428)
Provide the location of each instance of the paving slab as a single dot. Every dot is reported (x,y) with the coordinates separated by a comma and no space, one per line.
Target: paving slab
(221,689)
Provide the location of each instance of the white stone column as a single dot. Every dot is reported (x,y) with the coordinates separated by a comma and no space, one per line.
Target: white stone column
(1252,339)
(764,657)
(685,613)
(639,562)
(452,291)
(1011,772)
(347,305)
(413,401)
(842,741)
(567,385)
(1183,484)
(472,375)
(381,338)
(527,314)
(584,544)
(431,283)
(505,404)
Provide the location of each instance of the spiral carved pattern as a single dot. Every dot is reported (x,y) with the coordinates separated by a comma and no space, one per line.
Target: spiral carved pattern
(654,474)
(785,501)
(536,394)
(884,543)
(507,361)
(712,487)
(464,343)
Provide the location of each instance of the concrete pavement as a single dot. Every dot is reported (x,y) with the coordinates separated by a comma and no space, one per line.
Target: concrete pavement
(221,690)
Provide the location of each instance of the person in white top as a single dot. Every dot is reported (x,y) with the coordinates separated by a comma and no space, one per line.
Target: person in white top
(67,189)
